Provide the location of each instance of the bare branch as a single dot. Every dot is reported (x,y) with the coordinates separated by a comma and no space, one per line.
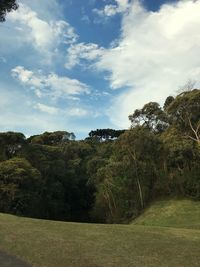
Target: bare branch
(192,128)
(198,126)
(194,139)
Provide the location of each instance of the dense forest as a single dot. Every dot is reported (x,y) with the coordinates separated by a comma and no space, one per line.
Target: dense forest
(112,175)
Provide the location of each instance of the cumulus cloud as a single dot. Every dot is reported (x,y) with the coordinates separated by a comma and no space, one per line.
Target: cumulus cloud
(156,53)
(110,10)
(82,51)
(44,35)
(50,85)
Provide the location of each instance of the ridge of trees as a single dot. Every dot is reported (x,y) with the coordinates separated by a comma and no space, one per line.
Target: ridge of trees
(112,175)
(105,134)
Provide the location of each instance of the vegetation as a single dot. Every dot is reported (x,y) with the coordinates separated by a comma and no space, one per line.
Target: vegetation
(179,213)
(105,134)
(51,243)
(112,175)
(5,7)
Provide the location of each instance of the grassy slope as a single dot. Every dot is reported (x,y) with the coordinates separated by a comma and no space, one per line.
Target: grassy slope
(172,213)
(50,243)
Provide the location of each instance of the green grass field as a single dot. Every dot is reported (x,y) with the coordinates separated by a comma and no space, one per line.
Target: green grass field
(50,243)
(172,213)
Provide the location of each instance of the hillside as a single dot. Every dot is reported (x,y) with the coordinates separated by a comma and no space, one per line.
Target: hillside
(53,243)
(172,213)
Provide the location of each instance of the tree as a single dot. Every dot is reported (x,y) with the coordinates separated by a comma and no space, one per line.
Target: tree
(126,182)
(105,134)
(109,202)
(52,138)
(181,164)
(188,86)
(5,7)
(150,116)
(184,113)
(10,144)
(141,148)
(168,101)
(48,160)
(20,185)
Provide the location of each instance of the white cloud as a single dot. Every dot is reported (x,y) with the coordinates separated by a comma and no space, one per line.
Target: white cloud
(65,86)
(85,19)
(21,113)
(44,35)
(22,74)
(111,10)
(51,85)
(156,53)
(82,51)
(78,112)
(30,124)
(66,112)
(123,3)
(46,109)
(45,9)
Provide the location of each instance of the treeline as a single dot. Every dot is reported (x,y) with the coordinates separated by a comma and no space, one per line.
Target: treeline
(111,175)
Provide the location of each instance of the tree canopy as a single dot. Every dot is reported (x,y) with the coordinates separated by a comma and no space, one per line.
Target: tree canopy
(184,112)
(7,6)
(105,134)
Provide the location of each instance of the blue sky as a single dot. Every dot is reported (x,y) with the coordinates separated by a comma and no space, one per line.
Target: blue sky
(79,65)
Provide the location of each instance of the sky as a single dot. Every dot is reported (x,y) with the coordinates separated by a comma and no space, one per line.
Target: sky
(79,65)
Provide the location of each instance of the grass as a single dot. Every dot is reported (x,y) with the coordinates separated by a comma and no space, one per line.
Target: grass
(59,244)
(172,213)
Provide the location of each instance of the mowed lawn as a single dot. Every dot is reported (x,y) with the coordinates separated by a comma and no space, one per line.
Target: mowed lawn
(179,213)
(51,243)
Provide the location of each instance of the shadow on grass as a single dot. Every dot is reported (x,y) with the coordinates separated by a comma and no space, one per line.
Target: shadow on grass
(7,260)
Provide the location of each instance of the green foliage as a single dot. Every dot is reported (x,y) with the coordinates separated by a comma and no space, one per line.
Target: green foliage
(168,101)
(184,112)
(19,187)
(53,138)
(105,134)
(126,182)
(10,144)
(150,116)
(181,162)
